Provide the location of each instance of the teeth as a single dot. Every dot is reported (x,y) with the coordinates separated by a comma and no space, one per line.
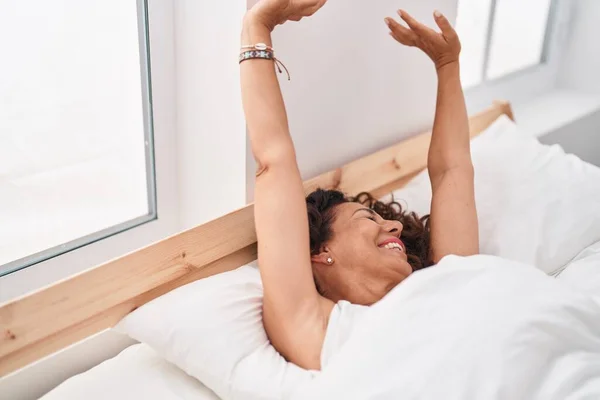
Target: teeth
(393,246)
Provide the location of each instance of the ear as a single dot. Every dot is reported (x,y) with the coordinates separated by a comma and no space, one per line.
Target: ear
(324,257)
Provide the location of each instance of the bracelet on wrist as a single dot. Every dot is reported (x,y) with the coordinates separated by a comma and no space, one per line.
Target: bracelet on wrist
(261,51)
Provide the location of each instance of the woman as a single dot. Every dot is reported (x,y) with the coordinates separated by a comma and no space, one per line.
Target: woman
(319,254)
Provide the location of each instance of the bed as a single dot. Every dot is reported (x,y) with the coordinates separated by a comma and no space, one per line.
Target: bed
(47,321)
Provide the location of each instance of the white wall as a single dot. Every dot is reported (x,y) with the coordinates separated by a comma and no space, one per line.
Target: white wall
(211,130)
(580,68)
(354,89)
(580,137)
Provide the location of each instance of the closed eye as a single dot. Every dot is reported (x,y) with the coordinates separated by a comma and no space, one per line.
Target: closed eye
(370,214)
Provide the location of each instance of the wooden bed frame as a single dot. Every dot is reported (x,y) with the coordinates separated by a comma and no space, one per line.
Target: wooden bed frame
(69,311)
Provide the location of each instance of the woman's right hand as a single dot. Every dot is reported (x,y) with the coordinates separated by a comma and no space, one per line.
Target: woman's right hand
(271,13)
(443,48)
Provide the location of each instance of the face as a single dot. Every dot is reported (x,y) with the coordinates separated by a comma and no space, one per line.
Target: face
(368,257)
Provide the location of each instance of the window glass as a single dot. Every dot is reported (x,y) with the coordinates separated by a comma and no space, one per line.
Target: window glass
(518,36)
(472,25)
(75,129)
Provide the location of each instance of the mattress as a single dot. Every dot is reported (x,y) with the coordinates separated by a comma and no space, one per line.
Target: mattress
(138,372)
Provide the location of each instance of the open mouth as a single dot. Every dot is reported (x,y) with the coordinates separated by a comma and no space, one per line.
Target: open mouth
(393,246)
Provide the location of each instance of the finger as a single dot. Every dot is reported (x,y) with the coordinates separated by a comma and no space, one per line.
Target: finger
(295,18)
(400,32)
(316,7)
(447,29)
(402,40)
(413,24)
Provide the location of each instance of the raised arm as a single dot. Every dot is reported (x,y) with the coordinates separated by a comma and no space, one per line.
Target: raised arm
(454,227)
(293,311)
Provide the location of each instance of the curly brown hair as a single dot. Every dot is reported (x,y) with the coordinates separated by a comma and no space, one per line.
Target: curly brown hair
(321,206)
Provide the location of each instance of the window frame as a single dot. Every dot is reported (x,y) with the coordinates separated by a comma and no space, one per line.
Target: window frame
(145,76)
(160,37)
(526,84)
(550,26)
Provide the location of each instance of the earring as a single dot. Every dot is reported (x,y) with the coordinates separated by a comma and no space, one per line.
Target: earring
(330,260)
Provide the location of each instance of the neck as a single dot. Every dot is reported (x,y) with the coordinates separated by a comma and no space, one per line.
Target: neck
(359,289)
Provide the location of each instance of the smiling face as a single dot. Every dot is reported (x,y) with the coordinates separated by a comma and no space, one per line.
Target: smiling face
(368,257)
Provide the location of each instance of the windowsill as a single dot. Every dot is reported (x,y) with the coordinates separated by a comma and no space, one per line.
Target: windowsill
(554,110)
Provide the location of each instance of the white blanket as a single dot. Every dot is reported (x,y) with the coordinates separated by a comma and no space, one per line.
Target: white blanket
(479,328)
(583,273)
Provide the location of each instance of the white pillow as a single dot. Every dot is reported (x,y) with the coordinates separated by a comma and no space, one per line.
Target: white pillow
(136,373)
(535,203)
(213,330)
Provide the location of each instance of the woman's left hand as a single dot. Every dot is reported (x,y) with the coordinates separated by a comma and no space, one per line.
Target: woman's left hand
(443,48)
(276,12)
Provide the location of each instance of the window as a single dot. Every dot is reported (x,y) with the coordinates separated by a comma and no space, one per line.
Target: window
(501,37)
(76,143)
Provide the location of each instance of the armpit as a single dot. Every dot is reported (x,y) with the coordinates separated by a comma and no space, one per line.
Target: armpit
(261,169)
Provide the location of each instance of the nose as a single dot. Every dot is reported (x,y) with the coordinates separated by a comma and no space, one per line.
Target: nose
(395,227)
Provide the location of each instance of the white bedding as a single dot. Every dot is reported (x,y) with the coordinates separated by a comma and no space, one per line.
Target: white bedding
(535,204)
(137,373)
(494,329)
(583,273)
(471,328)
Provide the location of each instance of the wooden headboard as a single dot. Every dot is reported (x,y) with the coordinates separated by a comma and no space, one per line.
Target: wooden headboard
(53,318)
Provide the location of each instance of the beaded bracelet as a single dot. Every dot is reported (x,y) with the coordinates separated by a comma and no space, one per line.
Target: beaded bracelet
(267,54)
(251,54)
